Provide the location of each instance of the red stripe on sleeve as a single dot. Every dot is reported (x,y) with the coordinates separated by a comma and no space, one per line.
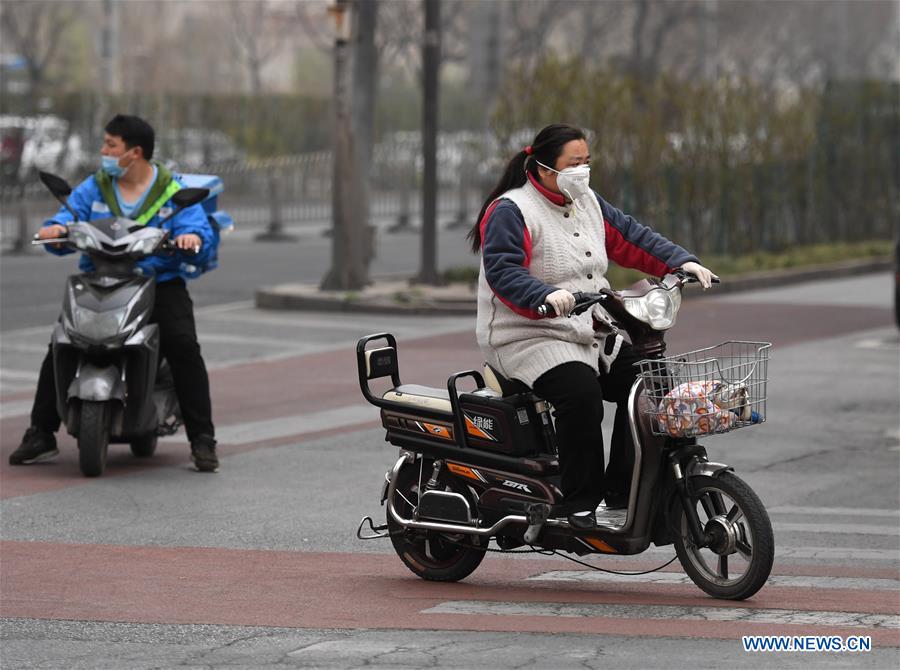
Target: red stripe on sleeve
(629,255)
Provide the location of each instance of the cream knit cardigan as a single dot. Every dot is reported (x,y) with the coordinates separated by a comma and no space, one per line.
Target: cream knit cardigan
(569,252)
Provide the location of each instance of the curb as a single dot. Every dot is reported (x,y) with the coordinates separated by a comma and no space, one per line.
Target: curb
(395,296)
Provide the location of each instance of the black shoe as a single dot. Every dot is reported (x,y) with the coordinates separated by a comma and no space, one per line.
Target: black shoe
(37,445)
(583,521)
(203,453)
(616,500)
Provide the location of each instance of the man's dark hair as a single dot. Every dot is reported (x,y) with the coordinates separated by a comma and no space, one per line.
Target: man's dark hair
(134,131)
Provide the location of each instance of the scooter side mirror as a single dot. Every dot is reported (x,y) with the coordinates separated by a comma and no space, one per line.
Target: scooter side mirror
(189,196)
(60,189)
(56,185)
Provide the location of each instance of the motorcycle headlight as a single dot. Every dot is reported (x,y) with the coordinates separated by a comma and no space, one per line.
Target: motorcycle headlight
(657,308)
(82,241)
(142,246)
(98,326)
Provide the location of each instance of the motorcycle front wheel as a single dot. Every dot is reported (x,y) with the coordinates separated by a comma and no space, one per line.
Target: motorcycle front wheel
(737,562)
(440,557)
(144,446)
(93,438)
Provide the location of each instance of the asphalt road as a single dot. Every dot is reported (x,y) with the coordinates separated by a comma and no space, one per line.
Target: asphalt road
(156,566)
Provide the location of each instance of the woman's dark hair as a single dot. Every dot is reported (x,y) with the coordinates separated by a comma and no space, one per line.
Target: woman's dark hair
(546,148)
(134,131)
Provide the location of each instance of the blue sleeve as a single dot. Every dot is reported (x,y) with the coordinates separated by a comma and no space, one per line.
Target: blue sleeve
(193,221)
(506,253)
(80,200)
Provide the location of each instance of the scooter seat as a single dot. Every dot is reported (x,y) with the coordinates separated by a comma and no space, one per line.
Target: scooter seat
(420,397)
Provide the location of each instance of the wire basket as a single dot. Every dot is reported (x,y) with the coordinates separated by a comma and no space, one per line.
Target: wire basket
(707,391)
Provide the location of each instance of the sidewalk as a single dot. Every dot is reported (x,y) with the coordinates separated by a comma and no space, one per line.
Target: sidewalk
(400,296)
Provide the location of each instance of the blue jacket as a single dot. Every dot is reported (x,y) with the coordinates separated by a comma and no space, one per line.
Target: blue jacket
(87,201)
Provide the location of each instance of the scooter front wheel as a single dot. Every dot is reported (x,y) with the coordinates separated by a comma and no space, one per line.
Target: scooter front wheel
(434,556)
(144,446)
(93,438)
(738,560)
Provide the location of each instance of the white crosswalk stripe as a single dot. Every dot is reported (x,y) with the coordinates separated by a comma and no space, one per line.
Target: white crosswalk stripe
(668,612)
(793,581)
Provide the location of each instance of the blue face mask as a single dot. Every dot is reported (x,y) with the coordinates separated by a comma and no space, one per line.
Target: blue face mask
(110,165)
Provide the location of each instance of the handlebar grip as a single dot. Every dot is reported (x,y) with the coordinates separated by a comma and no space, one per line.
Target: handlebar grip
(546,310)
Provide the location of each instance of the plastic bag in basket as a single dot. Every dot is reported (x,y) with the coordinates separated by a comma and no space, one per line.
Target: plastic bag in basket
(702,407)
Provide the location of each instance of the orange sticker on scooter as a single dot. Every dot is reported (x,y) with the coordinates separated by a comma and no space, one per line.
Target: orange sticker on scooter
(600,545)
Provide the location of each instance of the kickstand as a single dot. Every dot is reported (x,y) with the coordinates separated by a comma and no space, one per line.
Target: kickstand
(537,514)
(378,532)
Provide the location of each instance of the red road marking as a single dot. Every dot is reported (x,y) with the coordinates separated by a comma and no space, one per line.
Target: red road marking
(183,585)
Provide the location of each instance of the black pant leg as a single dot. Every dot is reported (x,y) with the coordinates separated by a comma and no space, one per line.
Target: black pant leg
(43,412)
(577,399)
(616,385)
(173,311)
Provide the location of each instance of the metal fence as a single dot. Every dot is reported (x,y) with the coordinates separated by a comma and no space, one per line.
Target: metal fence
(295,191)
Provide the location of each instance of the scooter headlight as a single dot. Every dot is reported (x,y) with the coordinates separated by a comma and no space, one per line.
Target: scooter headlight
(82,240)
(98,326)
(657,308)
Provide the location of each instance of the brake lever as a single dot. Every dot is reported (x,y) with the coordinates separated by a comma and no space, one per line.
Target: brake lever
(547,309)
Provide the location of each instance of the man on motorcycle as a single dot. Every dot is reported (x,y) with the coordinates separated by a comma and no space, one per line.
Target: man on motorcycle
(129,184)
(543,235)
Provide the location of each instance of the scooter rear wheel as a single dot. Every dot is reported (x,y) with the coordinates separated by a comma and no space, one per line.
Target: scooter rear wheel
(441,557)
(738,561)
(93,438)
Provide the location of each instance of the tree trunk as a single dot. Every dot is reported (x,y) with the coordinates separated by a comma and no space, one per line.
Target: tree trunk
(365,79)
(347,268)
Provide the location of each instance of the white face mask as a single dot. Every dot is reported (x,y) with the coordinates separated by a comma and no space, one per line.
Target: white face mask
(573,181)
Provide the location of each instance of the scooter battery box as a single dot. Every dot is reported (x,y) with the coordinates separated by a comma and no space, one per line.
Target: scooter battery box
(508,426)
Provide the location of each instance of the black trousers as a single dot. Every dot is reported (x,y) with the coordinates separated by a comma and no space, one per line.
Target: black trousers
(577,394)
(173,312)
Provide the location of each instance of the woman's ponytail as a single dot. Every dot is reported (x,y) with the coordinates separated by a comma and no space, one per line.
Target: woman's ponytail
(546,148)
(513,177)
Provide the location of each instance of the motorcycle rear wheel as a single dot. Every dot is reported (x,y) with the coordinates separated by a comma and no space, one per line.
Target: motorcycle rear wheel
(440,557)
(93,438)
(739,561)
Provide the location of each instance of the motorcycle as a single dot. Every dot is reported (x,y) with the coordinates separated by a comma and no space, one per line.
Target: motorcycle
(482,465)
(111,385)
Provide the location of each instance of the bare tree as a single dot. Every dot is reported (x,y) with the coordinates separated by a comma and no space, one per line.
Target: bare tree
(259,28)
(34,29)
(354,97)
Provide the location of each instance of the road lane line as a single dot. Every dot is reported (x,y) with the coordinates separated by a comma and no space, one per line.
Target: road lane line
(28,375)
(834,511)
(9,410)
(836,528)
(788,581)
(269,429)
(668,612)
(250,339)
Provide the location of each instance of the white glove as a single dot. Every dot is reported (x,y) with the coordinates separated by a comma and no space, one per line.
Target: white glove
(705,276)
(562,301)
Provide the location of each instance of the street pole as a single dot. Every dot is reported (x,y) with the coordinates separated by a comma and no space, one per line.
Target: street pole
(346,271)
(431,63)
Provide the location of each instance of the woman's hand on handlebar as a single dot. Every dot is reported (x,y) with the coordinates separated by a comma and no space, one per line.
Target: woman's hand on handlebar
(562,302)
(703,275)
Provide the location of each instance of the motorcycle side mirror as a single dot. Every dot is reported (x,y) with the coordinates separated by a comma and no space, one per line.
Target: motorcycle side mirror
(60,189)
(56,185)
(189,196)
(185,198)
